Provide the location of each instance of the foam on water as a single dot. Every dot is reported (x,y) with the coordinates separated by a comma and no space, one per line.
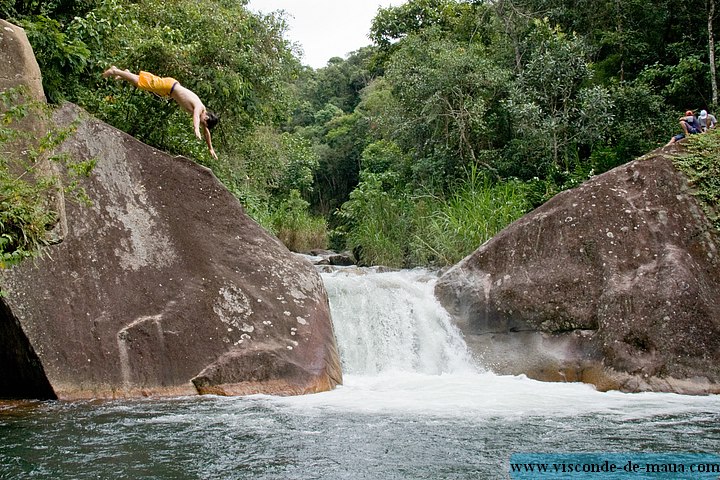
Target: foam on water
(484,395)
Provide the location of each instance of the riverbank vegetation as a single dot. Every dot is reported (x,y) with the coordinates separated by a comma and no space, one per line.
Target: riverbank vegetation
(459,117)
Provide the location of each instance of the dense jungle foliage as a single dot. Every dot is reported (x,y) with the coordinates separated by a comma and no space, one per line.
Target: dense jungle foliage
(459,117)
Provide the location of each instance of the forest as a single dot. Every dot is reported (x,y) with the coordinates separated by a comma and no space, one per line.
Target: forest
(457,118)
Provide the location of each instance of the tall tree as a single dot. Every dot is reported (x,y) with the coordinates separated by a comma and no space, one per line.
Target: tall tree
(449,94)
(711,50)
(555,107)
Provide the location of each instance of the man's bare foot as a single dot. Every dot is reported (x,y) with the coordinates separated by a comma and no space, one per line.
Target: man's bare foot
(111,72)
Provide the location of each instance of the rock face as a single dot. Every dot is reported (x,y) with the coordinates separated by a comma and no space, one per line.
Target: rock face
(614,283)
(17,62)
(162,286)
(19,71)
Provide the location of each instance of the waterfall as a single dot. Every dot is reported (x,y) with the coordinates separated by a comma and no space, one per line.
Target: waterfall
(392,323)
(401,354)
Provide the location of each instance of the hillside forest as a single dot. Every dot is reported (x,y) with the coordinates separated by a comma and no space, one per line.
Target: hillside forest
(458,117)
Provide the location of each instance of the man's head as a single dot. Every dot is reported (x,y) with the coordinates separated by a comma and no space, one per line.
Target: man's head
(211,119)
(689,113)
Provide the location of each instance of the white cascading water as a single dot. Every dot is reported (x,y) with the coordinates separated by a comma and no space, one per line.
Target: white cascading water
(391,322)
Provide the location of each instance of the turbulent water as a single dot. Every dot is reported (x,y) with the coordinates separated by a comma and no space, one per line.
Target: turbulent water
(414,406)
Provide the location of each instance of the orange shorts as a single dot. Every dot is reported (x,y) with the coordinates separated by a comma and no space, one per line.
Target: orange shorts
(160,86)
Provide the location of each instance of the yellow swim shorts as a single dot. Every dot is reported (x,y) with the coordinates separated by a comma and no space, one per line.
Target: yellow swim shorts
(160,86)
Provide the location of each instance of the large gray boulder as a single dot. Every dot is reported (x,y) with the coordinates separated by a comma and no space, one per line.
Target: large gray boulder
(17,62)
(614,283)
(161,286)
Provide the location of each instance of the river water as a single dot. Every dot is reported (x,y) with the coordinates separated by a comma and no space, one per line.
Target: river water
(414,406)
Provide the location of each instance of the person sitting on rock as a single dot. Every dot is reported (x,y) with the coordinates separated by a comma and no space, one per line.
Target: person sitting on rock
(689,124)
(707,121)
(169,87)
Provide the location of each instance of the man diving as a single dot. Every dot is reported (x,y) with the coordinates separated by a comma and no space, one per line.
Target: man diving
(169,87)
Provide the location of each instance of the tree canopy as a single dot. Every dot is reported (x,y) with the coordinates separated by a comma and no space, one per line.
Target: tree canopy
(520,98)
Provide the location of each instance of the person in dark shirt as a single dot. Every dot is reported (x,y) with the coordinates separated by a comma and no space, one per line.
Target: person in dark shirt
(689,124)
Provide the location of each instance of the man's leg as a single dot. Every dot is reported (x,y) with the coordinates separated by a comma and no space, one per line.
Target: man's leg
(126,75)
(684,126)
(675,139)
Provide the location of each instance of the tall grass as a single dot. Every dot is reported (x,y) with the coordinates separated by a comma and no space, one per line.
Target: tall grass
(295,226)
(382,235)
(24,216)
(399,229)
(471,214)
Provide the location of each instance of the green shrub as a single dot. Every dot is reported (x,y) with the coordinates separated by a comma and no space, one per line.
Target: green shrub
(26,192)
(376,223)
(24,217)
(295,227)
(398,229)
(701,163)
